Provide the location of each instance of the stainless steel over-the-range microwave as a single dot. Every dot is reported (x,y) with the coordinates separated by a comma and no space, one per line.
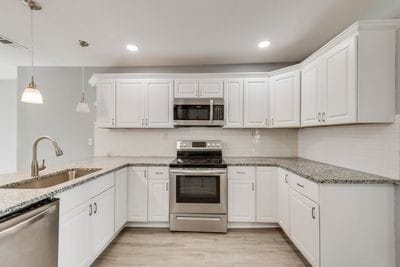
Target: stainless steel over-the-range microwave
(199,112)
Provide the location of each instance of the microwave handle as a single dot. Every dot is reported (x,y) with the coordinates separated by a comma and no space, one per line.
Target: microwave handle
(211,111)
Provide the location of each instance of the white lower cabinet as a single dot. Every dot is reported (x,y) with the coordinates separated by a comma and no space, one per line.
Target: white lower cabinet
(158,200)
(148,194)
(75,237)
(121,198)
(304,226)
(86,221)
(102,221)
(252,194)
(283,201)
(241,200)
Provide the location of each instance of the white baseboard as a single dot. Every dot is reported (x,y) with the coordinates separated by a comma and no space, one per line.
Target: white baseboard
(231,225)
(147,225)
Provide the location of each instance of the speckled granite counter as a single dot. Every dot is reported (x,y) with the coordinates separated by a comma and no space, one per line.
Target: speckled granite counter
(15,199)
(312,170)
(12,200)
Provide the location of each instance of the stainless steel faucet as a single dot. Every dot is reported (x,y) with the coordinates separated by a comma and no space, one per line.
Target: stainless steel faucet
(35,168)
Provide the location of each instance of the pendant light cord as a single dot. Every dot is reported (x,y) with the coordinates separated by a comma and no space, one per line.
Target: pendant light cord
(82,70)
(32,36)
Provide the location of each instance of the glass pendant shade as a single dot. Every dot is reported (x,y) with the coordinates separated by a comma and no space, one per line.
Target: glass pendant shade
(32,94)
(83,106)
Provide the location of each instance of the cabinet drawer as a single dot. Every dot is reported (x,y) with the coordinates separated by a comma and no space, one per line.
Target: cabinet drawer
(303,186)
(241,172)
(158,172)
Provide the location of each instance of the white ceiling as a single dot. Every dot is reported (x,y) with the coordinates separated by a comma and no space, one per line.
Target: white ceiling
(179,32)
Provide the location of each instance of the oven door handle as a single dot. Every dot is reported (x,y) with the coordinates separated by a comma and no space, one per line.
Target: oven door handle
(211,111)
(198,171)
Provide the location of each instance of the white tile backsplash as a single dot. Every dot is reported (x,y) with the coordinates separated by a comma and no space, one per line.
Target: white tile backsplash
(162,142)
(370,148)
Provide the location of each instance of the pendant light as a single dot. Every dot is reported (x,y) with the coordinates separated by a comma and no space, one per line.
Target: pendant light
(83,105)
(31,93)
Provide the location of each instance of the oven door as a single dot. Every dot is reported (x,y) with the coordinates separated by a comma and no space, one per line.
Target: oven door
(201,191)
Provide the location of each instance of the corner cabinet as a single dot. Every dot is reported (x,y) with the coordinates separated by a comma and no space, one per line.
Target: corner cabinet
(284,100)
(135,103)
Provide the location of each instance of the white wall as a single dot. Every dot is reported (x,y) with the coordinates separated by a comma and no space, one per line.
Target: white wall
(369,148)
(8,130)
(238,142)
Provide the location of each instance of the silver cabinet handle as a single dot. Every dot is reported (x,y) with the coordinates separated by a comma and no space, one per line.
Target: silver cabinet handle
(95,208)
(197,171)
(112,121)
(252,186)
(313,212)
(240,172)
(145,173)
(142,122)
(300,185)
(323,117)
(319,116)
(159,172)
(166,187)
(286,178)
(266,122)
(272,121)
(90,210)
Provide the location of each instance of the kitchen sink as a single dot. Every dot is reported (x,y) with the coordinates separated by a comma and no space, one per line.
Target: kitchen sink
(53,179)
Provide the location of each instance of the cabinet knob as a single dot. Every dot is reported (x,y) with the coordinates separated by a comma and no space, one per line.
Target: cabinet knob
(323,117)
(319,116)
(286,178)
(90,210)
(313,212)
(95,208)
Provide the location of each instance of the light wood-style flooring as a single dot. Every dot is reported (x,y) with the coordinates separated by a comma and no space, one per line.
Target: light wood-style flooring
(159,247)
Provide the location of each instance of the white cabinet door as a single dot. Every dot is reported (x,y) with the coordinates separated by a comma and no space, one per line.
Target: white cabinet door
(130,104)
(106,104)
(233,91)
(102,221)
(255,103)
(137,194)
(158,203)
(283,201)
(304,226)
(211,88)
(121,198)
(75,237)
(186,88)
(311,94)
(267,194)
(241,200)
(340,83)
(284,100)
(159,111)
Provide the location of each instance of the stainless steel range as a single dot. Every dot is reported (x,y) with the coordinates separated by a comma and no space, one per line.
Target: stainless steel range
(198,182)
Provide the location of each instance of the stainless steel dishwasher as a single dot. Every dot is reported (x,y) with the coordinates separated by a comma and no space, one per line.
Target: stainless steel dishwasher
(30,236)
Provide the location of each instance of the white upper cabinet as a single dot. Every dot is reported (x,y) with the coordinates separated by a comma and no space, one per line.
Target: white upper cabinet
(159,100)
(339,78)
(233,103)
(284,100)
(211,88)
(311,94)
(130,103)
(106,103)
(186,88)
(255,100)
(267,194)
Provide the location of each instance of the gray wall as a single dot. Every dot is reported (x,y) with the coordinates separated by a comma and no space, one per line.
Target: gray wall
(8,130)
(61,88)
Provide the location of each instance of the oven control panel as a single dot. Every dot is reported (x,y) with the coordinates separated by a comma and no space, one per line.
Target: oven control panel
(199,145)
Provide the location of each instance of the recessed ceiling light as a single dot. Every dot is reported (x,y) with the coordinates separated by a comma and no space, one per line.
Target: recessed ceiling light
(264,44)
(132,47)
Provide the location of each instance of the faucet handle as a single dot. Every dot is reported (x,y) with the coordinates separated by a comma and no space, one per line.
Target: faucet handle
(43,166)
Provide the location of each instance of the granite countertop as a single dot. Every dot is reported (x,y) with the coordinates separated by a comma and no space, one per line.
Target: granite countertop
(314,171)
(12,200)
